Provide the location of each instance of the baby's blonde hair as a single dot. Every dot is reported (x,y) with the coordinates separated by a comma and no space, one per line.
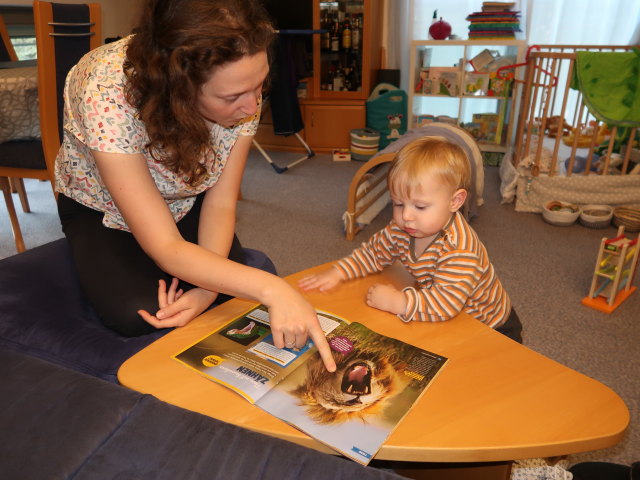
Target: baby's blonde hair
(428,156)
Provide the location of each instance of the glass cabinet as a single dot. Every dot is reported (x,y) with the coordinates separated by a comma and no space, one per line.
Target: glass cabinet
(347,51)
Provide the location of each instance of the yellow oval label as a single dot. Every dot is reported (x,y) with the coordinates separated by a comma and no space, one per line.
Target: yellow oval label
(212,360)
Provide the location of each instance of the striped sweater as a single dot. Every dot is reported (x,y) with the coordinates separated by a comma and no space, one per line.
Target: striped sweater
(453,274)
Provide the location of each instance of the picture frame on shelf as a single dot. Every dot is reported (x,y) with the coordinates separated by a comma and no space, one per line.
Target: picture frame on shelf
(445,81)
(476,84)
(424,85)
(481,60)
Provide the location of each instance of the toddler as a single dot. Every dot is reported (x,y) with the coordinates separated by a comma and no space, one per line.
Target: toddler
(428,182)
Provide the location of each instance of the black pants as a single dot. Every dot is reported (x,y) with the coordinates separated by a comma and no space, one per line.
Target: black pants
(116,274)
(512,328)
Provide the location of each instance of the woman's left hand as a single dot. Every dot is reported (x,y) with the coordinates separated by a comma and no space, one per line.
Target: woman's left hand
(177,308)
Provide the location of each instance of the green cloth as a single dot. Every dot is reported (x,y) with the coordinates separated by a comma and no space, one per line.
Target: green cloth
(610,85)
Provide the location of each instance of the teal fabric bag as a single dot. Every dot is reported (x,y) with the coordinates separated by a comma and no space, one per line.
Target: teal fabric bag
(387,112)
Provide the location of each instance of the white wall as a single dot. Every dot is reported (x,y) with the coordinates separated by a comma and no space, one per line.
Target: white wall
(118,16)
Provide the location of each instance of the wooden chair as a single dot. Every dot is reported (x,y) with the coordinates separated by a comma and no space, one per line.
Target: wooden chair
(16,156)
(64,33)
(7,53)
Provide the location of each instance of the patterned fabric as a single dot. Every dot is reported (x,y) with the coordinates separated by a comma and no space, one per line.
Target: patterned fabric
(19,104)
(453,274)
(98,117)
(534,192)
(539,469)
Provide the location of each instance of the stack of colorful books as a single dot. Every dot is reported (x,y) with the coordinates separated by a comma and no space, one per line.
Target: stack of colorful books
(497,20)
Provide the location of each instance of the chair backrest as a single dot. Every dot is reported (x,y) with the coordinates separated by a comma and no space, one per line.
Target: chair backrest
(64,33)
(7,53)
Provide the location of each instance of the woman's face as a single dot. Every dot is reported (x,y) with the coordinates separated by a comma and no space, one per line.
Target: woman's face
(233,90)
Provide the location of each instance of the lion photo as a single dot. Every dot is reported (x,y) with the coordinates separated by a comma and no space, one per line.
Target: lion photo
(365,380)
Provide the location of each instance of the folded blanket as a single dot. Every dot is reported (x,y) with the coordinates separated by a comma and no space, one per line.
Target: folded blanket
(610,85)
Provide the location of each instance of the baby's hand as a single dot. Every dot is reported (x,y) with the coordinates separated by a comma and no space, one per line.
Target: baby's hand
(323,281)
(386,298)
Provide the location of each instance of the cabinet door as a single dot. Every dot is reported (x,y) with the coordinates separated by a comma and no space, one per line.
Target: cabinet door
(329,126)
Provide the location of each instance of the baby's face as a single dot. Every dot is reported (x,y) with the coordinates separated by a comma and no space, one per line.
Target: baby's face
(427,209)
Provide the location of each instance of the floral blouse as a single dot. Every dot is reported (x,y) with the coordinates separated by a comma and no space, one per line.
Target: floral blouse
(98,117)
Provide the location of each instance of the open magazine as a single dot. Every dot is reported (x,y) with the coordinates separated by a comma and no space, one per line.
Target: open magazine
(353,410)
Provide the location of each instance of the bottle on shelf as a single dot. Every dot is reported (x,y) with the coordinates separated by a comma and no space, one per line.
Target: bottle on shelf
(330,77)
(356,32)
(356,82)
(346,33)
(433,20)
(338,80)
(335,35)
(325,37)
(348,79)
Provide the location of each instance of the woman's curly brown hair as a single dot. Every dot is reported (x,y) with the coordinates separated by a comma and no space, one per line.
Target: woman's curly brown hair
(176,46)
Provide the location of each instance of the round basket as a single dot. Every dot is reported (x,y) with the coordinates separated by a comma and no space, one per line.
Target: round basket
(596,216)
(629,217)
(560,213)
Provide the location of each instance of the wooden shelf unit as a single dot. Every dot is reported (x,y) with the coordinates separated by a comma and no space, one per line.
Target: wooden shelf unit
(458,53)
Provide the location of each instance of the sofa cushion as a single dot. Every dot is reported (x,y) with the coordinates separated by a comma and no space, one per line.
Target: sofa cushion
(60,423)
(43,312)
(53,418)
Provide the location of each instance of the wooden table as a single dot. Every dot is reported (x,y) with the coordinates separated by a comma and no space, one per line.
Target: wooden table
(495,400)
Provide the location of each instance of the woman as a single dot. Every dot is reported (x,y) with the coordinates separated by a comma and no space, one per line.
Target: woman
(158,127)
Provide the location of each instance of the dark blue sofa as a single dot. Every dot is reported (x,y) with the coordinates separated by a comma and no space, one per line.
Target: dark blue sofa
(43,312)
(63,415)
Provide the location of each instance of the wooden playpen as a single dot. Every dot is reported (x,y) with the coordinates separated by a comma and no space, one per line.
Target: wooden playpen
(558,138)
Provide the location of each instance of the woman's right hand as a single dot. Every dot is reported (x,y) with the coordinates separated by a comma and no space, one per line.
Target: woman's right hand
(293,320)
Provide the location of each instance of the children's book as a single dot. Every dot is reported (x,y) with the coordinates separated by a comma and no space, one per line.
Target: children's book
(422,120)
(353,410)
(499,86)
(488,124)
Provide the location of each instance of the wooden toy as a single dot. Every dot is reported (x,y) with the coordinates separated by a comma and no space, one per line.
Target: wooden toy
(615,270)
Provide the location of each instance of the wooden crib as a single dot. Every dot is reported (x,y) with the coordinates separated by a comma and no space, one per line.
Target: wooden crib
(561,151)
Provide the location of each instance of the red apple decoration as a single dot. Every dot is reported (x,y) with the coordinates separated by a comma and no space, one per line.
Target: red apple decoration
(440,30)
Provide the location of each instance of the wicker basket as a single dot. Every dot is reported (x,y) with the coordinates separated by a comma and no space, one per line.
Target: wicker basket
(629,217)
(560,213)
(596,216)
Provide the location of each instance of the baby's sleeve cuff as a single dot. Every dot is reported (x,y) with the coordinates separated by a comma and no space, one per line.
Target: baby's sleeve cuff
(412,304)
